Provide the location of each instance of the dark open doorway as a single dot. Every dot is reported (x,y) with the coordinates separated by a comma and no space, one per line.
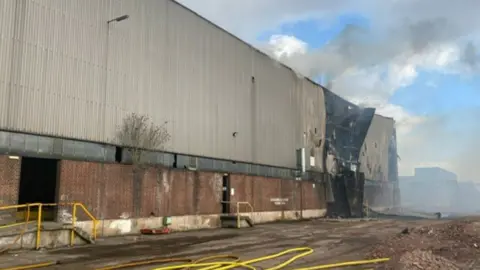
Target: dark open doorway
(38,183)
(226,194)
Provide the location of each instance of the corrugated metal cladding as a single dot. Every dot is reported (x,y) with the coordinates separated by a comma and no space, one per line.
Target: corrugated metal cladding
(64,72)
(374,155)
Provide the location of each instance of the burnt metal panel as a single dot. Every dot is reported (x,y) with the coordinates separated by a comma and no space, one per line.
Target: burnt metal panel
(346,128)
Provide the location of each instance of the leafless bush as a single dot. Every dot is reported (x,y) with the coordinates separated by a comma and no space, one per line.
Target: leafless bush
(138,134)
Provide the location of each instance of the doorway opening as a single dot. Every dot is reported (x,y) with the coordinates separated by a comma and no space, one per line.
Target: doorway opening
(226,194)
(38,184)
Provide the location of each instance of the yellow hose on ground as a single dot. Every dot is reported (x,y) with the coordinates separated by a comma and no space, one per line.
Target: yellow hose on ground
(229,265)
(144,262)
(221,265)
(163,260)
(234,258)
(304,252)
(30,266)
(225,265)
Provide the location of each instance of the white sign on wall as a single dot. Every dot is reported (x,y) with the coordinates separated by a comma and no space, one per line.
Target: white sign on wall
(279,201)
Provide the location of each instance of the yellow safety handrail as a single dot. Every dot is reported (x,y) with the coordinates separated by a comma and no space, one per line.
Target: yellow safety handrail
(237,205)
(74,219)
(26,221)
(38,220)
(238,211)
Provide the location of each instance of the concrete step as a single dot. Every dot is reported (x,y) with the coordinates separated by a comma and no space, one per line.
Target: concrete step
(46,226)
(230,221)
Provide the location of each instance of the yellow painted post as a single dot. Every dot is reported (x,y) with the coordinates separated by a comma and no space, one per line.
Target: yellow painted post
(95,222)
(28,213)
(39,226)
(74,217)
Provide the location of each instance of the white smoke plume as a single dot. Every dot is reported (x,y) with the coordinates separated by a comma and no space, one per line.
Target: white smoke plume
(367,65)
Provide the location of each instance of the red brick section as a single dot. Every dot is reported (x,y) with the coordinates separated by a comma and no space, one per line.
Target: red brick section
(262,192)
(106,190)
(9,180)
(313,195)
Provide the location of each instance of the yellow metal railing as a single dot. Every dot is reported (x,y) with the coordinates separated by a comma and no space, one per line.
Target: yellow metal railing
(238,211)
(28,210)
(237,206)
(27,220)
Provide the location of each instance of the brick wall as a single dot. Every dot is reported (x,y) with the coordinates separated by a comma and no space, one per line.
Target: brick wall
(9,185)
(9,180)
(106,189)
(262,193)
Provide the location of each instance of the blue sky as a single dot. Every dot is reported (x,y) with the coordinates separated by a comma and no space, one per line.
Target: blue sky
(404,67)
(449,101)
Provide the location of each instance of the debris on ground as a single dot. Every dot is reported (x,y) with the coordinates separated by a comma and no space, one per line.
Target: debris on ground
(452,245)
(420,259)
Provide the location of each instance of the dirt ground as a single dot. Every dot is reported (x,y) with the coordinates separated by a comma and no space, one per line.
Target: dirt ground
(412,244)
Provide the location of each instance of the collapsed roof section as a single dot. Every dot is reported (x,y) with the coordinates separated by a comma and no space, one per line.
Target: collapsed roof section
(346,128)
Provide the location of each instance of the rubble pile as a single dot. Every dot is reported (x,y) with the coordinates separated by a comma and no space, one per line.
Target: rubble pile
(420,259)
(452,245)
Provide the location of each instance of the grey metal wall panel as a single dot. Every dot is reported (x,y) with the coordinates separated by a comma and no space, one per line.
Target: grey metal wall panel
(275,138)
(374,155)
(313,121)
(7,29)
(75,76)
(210,75)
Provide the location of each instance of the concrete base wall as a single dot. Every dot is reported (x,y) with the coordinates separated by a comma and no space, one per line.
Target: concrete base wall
(115,227)
(48,239)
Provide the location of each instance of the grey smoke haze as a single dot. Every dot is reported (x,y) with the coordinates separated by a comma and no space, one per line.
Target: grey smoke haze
(368,64)
(357,47)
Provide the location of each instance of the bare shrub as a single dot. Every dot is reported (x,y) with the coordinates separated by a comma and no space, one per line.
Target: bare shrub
(138,134)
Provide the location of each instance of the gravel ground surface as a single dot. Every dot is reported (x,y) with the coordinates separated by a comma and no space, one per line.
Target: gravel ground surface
(453,244)
(412,244)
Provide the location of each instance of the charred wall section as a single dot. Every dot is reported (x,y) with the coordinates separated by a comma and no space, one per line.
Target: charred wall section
(346,129)
(378,160)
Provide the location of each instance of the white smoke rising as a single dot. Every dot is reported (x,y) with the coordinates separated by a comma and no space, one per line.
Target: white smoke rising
(368,65)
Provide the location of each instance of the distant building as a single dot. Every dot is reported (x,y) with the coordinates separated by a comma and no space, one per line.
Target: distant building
(430,189)
(468,198)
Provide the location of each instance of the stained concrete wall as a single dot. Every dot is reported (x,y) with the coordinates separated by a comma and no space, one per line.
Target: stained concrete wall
(48,239)
(113,227)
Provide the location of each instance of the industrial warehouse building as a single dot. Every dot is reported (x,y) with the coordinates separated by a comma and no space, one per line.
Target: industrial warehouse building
(70,73)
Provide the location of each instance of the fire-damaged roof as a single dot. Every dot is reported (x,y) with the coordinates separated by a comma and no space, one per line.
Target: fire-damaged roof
(346,128)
